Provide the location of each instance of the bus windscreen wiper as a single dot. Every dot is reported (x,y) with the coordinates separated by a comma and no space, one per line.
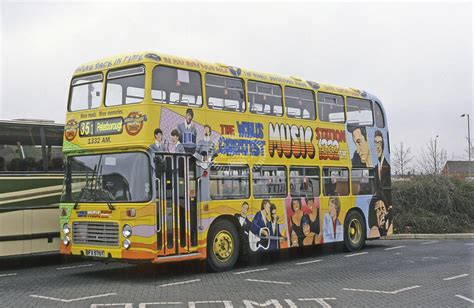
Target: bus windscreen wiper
(84,188)
(105,194)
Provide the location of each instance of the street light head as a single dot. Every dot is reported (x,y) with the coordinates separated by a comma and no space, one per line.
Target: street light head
(463,115)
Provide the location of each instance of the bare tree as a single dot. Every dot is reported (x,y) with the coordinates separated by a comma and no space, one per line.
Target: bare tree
(401,159)
(432,158)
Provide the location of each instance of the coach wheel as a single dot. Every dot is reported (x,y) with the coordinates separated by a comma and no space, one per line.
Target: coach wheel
(222,246)
(354,231)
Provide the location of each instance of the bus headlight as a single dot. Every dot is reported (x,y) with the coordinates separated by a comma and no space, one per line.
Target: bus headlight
(66,240)
(66,228)
(127,231)
(126,244)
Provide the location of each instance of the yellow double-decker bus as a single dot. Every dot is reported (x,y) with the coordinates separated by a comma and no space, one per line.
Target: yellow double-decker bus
(171,159)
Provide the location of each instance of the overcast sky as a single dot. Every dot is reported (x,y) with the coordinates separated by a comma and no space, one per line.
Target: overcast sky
(416,57)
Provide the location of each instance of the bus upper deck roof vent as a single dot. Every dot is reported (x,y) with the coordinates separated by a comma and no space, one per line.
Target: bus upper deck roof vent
(153,56)
(313,84)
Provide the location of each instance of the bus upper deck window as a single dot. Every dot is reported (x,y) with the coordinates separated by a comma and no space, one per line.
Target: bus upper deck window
(86,92)
(300,103)
(125,86)
(225,93)
(359,112)
(331,108)
(378,114)
(176,86)
(265,98)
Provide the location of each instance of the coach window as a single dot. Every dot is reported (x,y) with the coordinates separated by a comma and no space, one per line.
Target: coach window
(359,112)
(335,181)
(225,93)
(54,155)
(20,149)
(300,103)
(269,182)
(331,108)
(85,92)
(265,98)
(229,182)
(363,181)
(304,181)
(176,86)
(379,120)
(126,86)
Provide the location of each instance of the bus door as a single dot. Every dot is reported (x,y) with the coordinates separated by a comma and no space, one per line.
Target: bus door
(176,204)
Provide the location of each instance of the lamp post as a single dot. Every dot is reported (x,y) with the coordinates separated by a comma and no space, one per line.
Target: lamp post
(468,140)
(468,134)
(435,155)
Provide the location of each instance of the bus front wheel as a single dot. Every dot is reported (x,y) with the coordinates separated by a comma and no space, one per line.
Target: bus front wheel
(354,231)
(223,246)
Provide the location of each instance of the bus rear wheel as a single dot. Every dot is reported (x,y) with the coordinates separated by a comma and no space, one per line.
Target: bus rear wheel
(354,231)
(223,246)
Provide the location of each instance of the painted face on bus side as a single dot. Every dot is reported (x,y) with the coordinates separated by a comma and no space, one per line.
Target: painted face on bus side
(380,212)
(310,203)
(378,140)
(189,118)
(245,209)
(296,205)
(159,137)
(306,229)
(274,214)
(332,209)
(174,139)
(266,207)
(207,131)
(362,146)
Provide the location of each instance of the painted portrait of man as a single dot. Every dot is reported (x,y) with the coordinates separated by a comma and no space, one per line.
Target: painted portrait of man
(362,156)
(382,169)
(188,132)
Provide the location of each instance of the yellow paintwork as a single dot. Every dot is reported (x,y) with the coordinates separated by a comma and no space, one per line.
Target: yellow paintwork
(147,117)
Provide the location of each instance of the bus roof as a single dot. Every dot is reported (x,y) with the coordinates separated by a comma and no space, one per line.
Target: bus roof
(124,60)
(37,122)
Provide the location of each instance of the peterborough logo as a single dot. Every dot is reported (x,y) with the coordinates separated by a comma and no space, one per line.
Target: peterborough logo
(70,130)
(134,122)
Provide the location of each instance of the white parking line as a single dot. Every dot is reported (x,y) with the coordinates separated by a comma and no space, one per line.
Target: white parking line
(469,244)
(455,277)
(178,283)
(356,254)
(125,305)
(227,304)
(251,271)
(430,242)
(268,281)
(143,305)
(71,267)
(7,275)
(308,262)
(72,300)
(321,301)
(465,298)
(396,247)
(384,292)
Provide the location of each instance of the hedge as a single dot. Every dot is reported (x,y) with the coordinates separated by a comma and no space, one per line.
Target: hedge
(433,204)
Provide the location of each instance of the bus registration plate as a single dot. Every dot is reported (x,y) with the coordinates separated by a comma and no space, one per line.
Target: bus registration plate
(95,253)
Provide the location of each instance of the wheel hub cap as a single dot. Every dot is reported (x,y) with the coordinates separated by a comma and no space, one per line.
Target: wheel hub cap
(223,245)
(355,231)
